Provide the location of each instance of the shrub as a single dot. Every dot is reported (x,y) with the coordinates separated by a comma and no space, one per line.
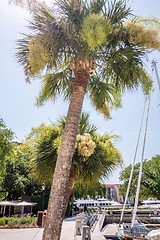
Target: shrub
(34,220)
(2,221)
(14,222)
(17,222)
(6,219)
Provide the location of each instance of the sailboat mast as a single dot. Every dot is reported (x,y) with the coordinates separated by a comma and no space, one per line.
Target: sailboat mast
(140,171)
(135,155)
(156,72)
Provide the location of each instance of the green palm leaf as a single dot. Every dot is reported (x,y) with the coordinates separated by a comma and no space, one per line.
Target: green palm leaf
(100,164)
(56,84)
(56,41)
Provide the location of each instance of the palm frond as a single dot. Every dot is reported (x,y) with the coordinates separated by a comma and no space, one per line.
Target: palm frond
(104,96)
(97,6)
(46,153)
(55,84)
(84,125)
(123,67)
(117,11)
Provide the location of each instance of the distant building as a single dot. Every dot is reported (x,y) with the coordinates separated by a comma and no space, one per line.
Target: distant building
(112,192)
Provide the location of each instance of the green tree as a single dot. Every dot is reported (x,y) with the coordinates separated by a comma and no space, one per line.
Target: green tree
(88,165)
(93,191)
(6,137)
(85,48)
(16,179)
(150,181)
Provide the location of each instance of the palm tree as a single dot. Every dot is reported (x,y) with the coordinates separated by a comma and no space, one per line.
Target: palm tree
(85,49)
(85,168)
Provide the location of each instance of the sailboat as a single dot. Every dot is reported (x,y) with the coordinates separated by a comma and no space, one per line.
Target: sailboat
(135,229)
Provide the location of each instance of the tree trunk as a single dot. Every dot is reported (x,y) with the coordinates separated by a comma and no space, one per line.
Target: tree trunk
(60,194)
(70,186)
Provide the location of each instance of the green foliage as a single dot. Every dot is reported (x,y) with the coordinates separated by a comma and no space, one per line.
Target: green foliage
(150,181)
(84,191)
(38,198)
(46,142)
(95,30)
(6,219)
(18,222)
(53,85)
(2,222)
(14,222)
(16,179)
(83,31)
(105,159)
(103,96)
(6,137)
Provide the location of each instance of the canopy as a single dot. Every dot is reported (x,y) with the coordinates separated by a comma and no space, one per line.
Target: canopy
(7,203)
(24,203)
(17,203)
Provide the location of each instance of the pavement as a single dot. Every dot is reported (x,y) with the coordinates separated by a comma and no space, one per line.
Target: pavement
(68,228)
(67,233)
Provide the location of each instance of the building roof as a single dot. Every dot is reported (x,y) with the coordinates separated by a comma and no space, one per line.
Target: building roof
(112,185)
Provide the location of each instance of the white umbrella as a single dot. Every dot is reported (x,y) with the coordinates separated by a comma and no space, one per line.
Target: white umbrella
(4,204)
(24,203)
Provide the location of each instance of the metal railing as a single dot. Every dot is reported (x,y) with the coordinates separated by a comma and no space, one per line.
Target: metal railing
(86,223)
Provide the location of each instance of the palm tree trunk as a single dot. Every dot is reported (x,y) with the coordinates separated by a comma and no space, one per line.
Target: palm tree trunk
(70,185)
(60,194)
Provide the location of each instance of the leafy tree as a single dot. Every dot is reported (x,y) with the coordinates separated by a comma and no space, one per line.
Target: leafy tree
(93,191)
(15,180)
(18,178)
(94,157)
(6,137)
(150,181)
(85,48)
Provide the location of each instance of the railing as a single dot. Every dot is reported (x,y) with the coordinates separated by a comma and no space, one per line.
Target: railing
(101,220)
(86,223)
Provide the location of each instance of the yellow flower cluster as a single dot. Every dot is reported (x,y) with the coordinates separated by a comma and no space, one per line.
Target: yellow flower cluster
(86,145)
(148,38)
(37,56)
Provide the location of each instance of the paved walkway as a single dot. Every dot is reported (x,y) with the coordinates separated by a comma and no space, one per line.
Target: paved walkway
(36,233)
(68,231)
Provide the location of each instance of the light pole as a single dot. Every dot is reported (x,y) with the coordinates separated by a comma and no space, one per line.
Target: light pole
(43,188)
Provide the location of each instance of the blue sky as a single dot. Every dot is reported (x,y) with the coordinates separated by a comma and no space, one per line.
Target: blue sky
(17,99)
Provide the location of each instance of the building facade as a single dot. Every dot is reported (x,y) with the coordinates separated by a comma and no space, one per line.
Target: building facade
(112,192)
